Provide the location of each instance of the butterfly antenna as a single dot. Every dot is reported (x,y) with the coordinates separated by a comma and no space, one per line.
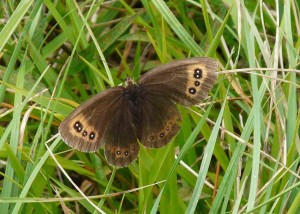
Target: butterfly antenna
(142,56)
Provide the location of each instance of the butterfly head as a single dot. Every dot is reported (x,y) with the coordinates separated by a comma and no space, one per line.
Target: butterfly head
(129,82)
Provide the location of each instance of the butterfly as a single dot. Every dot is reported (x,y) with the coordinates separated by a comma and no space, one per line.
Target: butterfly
(145,112)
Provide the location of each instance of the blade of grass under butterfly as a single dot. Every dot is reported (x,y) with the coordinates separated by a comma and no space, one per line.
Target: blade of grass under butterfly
(206,161)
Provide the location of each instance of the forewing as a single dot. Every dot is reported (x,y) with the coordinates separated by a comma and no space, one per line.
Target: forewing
(85,128)
(186,81)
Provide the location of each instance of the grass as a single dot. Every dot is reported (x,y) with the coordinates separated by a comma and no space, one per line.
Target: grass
(237,152)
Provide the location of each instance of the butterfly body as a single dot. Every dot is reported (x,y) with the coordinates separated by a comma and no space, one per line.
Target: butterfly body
(144,112)
(132,91)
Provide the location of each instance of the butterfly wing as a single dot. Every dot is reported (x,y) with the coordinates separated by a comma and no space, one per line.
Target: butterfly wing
(121,139)
(84,129)
(106,119)
(159,119)
(186,81)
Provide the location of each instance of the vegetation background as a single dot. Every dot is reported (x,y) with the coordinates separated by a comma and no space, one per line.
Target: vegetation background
(237,152)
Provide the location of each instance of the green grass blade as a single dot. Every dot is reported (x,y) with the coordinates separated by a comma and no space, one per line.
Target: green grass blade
(177,27)
(205,163)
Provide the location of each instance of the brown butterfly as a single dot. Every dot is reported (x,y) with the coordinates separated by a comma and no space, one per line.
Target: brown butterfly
(120,117)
